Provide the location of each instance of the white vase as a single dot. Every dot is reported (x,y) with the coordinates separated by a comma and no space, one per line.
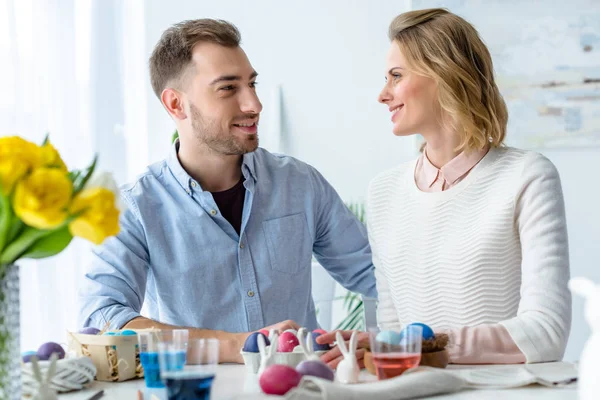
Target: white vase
(10,358)
(588,382)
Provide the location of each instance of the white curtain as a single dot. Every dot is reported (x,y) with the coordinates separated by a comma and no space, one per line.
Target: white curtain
(62,72)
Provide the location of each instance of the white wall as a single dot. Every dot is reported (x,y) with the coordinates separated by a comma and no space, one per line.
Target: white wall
(328,57)
(330,66)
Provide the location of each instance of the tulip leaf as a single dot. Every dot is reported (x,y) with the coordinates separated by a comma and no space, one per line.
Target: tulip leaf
(50,244)
(80,180)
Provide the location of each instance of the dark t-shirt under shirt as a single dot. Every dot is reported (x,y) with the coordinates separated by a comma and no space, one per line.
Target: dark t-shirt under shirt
(231,204)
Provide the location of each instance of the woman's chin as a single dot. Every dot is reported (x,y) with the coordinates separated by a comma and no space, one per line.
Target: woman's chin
(401,131)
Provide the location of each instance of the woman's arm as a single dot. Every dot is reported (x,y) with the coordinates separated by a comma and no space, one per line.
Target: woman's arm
(540,330)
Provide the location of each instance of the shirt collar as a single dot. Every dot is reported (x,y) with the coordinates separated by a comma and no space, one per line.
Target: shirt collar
(430,171)
(455,168)
(185,179)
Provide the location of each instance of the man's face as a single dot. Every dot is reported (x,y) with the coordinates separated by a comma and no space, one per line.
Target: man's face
(221,99)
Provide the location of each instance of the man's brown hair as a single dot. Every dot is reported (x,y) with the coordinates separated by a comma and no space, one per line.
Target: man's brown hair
(172,55)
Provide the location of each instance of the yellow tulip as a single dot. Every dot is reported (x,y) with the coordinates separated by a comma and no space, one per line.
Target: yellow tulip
(41,200)
(99,217)
(17,158)
(11,170)
(51,158)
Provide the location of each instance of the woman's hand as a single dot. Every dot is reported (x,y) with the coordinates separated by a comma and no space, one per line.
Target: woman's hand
(334,356)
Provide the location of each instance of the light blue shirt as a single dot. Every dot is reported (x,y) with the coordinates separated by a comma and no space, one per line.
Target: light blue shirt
(178,254)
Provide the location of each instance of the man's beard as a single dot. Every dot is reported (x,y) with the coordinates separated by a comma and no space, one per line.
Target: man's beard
(209,133)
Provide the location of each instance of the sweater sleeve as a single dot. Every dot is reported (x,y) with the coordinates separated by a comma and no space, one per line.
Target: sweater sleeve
(541,327)
(483,344)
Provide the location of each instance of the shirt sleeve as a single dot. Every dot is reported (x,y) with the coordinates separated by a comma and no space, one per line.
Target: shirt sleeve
(541,327)
(341,245)
(115,283)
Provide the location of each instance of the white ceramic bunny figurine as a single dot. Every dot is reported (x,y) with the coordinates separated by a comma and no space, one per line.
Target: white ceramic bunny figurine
(267,356)
(589,373)
(44,391)
(347,369)
(306,343)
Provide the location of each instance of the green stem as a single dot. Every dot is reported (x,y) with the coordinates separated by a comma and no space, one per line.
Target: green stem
(21,244)
(4,219)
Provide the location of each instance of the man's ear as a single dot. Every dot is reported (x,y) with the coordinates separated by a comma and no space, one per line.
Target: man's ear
(173,102)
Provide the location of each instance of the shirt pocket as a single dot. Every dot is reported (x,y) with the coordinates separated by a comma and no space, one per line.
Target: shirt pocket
(288,243)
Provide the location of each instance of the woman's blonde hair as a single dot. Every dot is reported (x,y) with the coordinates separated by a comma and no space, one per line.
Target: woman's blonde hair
(448,49)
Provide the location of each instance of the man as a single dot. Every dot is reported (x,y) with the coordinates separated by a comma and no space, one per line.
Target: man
(219,236)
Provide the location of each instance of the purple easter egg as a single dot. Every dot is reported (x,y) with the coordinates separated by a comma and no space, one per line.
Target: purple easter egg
(47,349)
(90,330)
(316,368)
(317,346)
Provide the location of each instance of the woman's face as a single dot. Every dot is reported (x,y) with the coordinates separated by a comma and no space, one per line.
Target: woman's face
(411,98)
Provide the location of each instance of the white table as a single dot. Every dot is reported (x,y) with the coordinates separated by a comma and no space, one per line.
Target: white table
(233,382)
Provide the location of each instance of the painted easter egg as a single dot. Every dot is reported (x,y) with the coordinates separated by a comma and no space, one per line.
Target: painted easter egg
(320,331)
(389,337)
(128,332)
(47,349)
(316,368)
(427,331)
(264,332)
(251,344)
(111,333)
(90,330)
(317,346)
(293,331)
(287,342)
(26,356)
(279,379)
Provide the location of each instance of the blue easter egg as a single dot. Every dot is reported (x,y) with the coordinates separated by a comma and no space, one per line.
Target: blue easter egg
(26,355)
(389,337)
(128,332)
(251,345)
(317,346)
(427,331)
(111,333)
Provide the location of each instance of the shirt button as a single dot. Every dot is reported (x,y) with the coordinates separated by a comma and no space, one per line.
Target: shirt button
(250,293)
(193,184)
(241,245)
(213,212)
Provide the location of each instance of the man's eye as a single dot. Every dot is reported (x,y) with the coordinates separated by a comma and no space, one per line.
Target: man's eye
(228,88)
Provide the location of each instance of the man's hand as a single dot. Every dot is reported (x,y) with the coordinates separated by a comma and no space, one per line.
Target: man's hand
(283,326)
(334,356)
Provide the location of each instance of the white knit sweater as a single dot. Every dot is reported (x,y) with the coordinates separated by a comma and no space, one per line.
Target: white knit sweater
(491,249)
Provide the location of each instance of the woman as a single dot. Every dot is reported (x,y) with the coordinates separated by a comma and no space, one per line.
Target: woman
(471,237)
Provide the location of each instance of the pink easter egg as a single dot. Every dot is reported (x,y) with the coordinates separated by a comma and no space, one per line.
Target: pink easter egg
(264,332)
(321,331)
(287,342)
(279,379)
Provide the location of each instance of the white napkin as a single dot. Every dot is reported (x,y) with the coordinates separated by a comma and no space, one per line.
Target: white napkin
(418,383)
(426,381)
(509,376)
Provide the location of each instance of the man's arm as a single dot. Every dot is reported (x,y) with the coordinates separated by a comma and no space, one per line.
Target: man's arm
(230,344)
(115,283)
(341,244)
